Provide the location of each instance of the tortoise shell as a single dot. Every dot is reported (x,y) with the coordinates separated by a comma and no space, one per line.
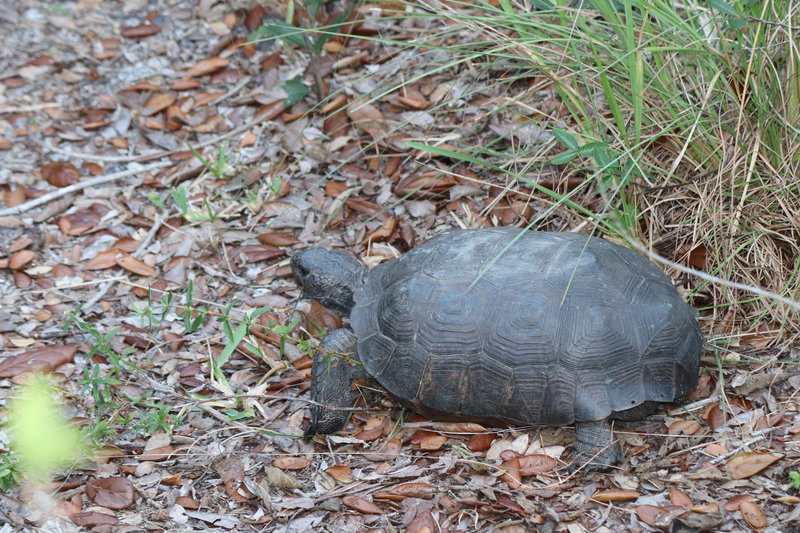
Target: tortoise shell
(526,327)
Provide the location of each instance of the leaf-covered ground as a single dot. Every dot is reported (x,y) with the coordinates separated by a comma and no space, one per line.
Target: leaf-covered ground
(157,172)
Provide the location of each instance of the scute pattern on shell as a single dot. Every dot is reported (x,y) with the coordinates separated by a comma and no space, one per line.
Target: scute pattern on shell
(562,328)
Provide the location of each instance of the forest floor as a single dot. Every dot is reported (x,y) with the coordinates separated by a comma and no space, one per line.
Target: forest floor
(157,172)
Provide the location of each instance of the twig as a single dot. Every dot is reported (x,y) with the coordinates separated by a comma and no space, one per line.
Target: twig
(725,456)
(774,23)
(27,108)
(79,187)
(693,406)
(233,91)
(157,155)
(107,285)
(711,279)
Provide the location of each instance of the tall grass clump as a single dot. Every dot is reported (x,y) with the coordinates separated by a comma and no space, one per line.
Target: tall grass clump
(684,120)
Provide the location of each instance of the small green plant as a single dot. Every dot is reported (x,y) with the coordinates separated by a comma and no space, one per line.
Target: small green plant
(219,166)
(181,198)
(794,478)
(193,317)
(10,473)
(158,417)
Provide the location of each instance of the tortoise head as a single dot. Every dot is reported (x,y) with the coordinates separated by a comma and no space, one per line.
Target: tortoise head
(328,277)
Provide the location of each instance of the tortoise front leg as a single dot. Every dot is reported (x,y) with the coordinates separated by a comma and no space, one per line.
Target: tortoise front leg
(335,367)
(595,447)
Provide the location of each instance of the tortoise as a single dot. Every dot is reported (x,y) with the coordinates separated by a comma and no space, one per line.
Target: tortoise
(505,325)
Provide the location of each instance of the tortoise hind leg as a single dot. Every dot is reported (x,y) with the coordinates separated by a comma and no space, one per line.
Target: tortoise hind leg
(595,447)
(336,366)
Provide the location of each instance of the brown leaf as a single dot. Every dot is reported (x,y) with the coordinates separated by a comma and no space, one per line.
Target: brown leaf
(342,474)
(255,17)
(679,498)
(481,441)
(537,463)
(753,515)
(15,195)
(60,173)
(102,261)
(207,66)
(291,463)
(684,427)
(734,503)
(78,223)
(361,505)
(382,233)
(745,465)
(157,103)
(407,490)
(707,508)
(187,503)
(336,103)
(511,475)
(432,442)
(19,260)
(254,253)
(615,496)
(650,514)
(111,492)
(368,118)
(423,523)
(158,454)
(415,103)
(362,206)
(335,188)
(431,181)
(319,319)
(93,518)
(39,360)
(131,264)
(276,238)
(141,31)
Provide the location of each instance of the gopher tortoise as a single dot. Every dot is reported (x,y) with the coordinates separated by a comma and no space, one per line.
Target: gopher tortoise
(505,325)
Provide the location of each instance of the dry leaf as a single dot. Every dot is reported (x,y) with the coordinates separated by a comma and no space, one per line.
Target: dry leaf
(102,261)
(382,233)
(319,319)
(131,264)
(423,491)
(207,66)
(734,503)
(278,478)
(157,103)
(745,465)
(60,173)
(650,514)
(78,223)
(93,518)
(111,492)
(705,509)
(254,253)
(291,463)
(361,505)
(426,183)
(342,474)
(38,360)
(432,442)
(423,523)
(368,118)
(481,441)
(187,503)
(530,465)
(679,498)
(684,427)
(753,515)
(276,238)
(615,495)
(141,31)
(19,260)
